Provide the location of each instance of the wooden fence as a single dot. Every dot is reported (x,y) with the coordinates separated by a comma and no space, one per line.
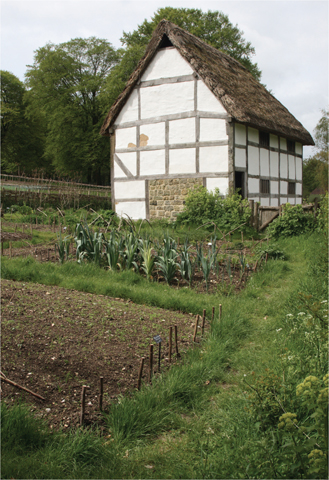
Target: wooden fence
(262,216)
(47,198)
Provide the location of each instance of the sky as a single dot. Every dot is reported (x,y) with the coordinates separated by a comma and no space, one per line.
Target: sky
(290,38)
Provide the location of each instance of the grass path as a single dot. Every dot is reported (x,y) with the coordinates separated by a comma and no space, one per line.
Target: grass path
(194,421)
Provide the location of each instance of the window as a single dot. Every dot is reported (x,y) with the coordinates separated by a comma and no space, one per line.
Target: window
(291,146)
(291,188)
(264,186)
(264,139)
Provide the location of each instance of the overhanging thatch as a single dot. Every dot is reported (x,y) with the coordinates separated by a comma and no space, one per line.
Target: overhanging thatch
(245,99)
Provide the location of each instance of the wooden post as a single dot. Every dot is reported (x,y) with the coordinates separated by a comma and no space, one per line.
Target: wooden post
(256,219)
(48,254)
(83,404)
(151,363)
(10,249)
(203,322)
(220,312)
(140,373)
(280,210)
(213,314)
(23,228)
(2,249)
(170,343)
(31,228)
(15,227)
(196,327)
(159,357)
(36,220)
(101,393)
(251,205)
(176,342)
(241,237)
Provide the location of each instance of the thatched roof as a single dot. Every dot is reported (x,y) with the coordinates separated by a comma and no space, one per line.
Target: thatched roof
(245,99)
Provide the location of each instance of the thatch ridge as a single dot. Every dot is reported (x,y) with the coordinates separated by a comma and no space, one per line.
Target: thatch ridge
(245,99)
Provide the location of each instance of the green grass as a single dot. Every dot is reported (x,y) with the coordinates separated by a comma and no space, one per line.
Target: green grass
(196,421)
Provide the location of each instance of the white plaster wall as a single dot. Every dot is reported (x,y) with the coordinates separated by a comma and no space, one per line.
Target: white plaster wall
(253,185)
(274,202)
(129,112)
(264,162)
(299,148)
(135,210)
(240,157)
(155,132)
(213,159)
(283,200)
(240,134)
(207,102)
(283,144)
(292,173)
(129,160)
(284,188)
(152,162)
(118,172)
(298,188)
(133,189)
(274,141)
(255,199)
(283,165)
(167,99)
(274,187)
(274,164)
(253,160)
(299,168)
(212,129)
(182,160)
(253,135)
(220,183)
(124,136)
(292,200)
(299,201)
(265,201)
(167,63)
(182,131)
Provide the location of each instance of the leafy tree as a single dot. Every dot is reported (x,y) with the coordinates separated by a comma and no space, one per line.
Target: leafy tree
(22,135)
(315,168)
(65,82)
(212,27)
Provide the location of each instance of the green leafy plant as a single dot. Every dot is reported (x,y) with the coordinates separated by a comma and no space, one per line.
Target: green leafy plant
(89,244)
(148,259)
(293,221)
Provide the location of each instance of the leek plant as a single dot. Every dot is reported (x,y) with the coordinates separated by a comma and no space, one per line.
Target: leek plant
(89,244)
(148,259)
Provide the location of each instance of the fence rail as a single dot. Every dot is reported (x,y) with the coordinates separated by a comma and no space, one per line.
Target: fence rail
(52,183)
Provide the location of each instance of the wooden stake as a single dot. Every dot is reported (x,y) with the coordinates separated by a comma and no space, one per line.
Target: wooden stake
(10,249)
(242,237)
(196,327)
(83,404)
(203,322)
(23,228)
(213,314)
(2,249)
(176,342)
(101,393)
(140,373)
(15,227)
(151,363)
(14,384)
(170,343)
(220,312)
(48,254)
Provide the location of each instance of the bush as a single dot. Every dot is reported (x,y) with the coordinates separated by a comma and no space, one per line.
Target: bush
(294,221)
(202,206)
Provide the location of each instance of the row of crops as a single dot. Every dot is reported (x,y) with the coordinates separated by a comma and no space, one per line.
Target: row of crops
(153,258)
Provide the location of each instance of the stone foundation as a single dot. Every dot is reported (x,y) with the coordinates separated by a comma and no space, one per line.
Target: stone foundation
(167,197)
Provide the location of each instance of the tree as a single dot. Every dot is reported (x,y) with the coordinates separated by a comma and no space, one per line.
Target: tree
(65,82)
(22,135)
(212,27)
(315,168)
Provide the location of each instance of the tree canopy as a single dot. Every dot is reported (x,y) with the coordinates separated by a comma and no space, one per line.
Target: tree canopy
(65,82)
(315,168)
(22,135)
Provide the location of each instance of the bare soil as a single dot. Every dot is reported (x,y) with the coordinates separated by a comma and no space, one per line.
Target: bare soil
(54,341)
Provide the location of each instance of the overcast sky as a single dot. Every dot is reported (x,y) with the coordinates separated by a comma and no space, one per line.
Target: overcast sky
(290,38)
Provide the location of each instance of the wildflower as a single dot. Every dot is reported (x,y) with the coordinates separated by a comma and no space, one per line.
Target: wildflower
(289,315)
(278,329)
(301,313)
(288,420)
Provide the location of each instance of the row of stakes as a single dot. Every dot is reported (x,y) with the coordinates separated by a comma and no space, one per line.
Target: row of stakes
(158,340)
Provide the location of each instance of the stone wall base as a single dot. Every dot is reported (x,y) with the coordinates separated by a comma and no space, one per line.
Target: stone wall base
(167,197)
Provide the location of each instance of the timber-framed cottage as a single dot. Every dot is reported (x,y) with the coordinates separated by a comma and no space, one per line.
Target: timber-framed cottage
(192,115)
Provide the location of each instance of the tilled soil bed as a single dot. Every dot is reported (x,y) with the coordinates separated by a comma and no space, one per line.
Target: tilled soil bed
(54,341)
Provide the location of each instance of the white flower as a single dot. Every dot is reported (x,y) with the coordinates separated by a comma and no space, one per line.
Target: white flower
(324,301)
(278,329)
(301,313)
(289,315)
